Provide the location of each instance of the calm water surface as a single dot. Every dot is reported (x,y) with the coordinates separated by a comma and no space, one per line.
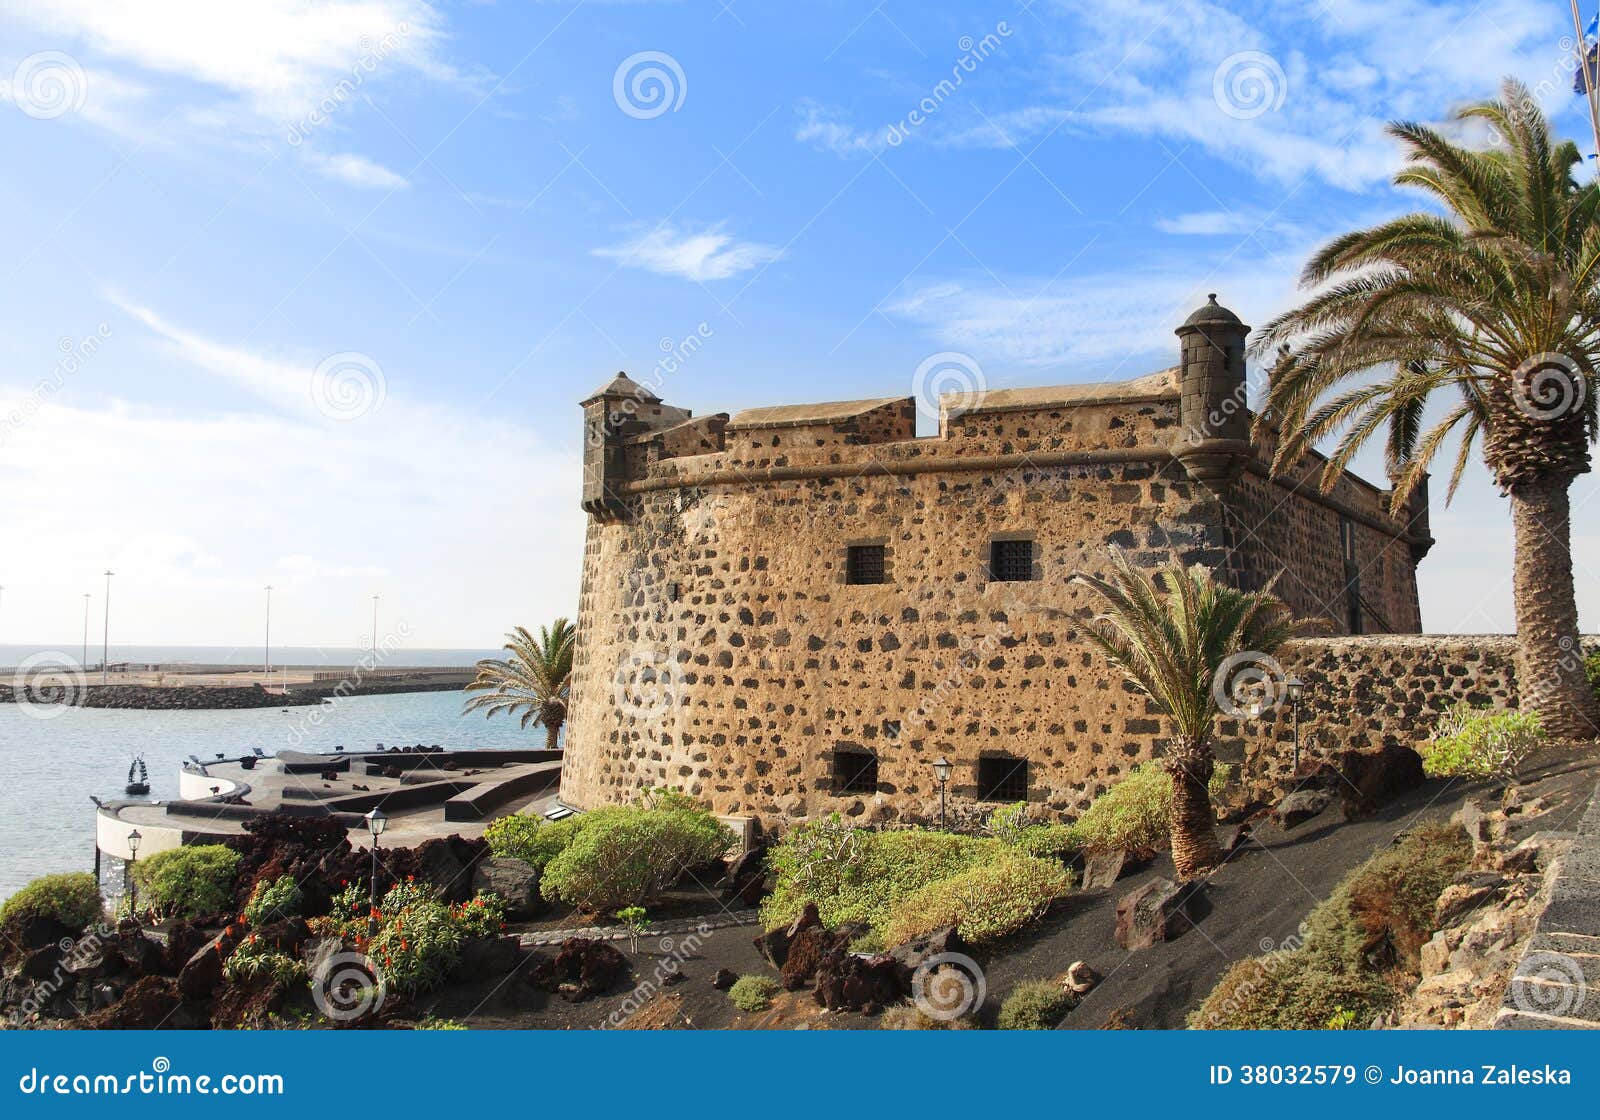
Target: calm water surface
(49,767)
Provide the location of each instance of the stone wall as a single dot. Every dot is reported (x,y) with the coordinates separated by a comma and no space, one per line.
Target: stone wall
(1373,691)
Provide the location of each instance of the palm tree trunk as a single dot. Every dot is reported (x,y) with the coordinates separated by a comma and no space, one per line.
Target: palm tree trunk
(1550,676)
(552,735)
(1194,834)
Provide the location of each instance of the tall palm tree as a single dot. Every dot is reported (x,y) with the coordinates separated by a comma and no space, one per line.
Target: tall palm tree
(1494,304)
(535,679)
(1178,643)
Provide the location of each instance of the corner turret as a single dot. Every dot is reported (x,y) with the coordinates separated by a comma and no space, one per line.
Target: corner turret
(1214,406)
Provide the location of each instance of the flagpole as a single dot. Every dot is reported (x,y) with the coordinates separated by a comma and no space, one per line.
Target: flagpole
(1588,76)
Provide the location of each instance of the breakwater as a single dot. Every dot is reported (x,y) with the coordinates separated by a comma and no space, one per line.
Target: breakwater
(201,698)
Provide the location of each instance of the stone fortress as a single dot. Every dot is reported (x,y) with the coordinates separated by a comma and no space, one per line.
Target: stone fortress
(798,609)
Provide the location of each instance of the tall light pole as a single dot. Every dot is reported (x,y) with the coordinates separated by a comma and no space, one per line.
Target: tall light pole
(266,648)
(86,597)
(105,638)
(374,626)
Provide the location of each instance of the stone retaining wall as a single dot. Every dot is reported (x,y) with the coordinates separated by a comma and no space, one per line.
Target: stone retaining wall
(1373,691)
(1557,983)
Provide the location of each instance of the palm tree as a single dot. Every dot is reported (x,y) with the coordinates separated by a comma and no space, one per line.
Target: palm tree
(1178,643)
(536,679)
(1495,305)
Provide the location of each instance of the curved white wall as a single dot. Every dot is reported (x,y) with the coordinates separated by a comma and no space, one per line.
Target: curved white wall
(111,836)
(195,786)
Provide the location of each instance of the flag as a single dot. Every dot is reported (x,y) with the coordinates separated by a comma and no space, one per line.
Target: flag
(1587,75)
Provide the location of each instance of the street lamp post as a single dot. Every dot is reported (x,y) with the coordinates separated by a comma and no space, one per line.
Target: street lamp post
(1296,689)
(127,870)
(86,598)
(374,626)
(266,647)
(376,821)
(942,770)
(105,637)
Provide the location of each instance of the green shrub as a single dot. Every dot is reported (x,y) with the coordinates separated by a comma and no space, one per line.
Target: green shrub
(1034,1005)
(910,1017)
(188,882)
(858,876)
(1048,841)
(71,898)
(274,901)
(626,856)
(987,902)
(1383,910)
(753,993)
(1360,948)
(531,840)
(1591,669)
(256,960)
(1480,743)
(482,915)
(418,939)
(1010,825)
(1288,991)
(1137,811)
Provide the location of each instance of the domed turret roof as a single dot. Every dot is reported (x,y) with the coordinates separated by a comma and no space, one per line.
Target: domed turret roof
(622,386)
(1213,313)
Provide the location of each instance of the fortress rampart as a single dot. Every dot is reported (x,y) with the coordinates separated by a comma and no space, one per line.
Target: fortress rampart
(783,604)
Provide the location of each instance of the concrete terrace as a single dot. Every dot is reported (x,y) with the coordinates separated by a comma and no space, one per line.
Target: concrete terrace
(425,794)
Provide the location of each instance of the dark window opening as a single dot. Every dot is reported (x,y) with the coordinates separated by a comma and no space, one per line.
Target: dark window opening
(854,771)
(1002,778)
(1010,561)
(1352,577)
(864,563)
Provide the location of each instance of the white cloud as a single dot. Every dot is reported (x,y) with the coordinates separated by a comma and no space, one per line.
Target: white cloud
(356,171)
(1103,325)
(284,71)
(824,128)
(1209,223)
(700,255)
(277,56)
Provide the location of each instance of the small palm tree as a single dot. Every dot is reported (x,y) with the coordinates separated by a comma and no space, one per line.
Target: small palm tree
(1493,305)
(1176,642)
(535,679)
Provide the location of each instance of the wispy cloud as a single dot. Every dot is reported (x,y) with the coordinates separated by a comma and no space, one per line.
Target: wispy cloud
(1210,223)
(356,171)
(825,128)
(700,255)
(1282,91)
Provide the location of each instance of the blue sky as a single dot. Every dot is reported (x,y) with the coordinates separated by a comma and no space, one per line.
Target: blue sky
(307,293)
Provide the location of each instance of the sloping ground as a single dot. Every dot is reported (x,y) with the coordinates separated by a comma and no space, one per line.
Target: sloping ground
(1258,900)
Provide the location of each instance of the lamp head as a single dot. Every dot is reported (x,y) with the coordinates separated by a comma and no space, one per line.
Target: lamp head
(377,821)
(1296,688)
(943,768)
(133,841)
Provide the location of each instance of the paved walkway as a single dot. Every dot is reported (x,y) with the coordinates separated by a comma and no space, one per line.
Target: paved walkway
(655,929)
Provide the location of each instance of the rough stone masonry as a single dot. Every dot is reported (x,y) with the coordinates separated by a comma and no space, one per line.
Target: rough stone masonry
(798,609)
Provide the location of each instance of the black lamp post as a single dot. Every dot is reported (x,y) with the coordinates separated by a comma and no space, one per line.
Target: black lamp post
(376,821)
(1296,688)
(133,857)
(942,770)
